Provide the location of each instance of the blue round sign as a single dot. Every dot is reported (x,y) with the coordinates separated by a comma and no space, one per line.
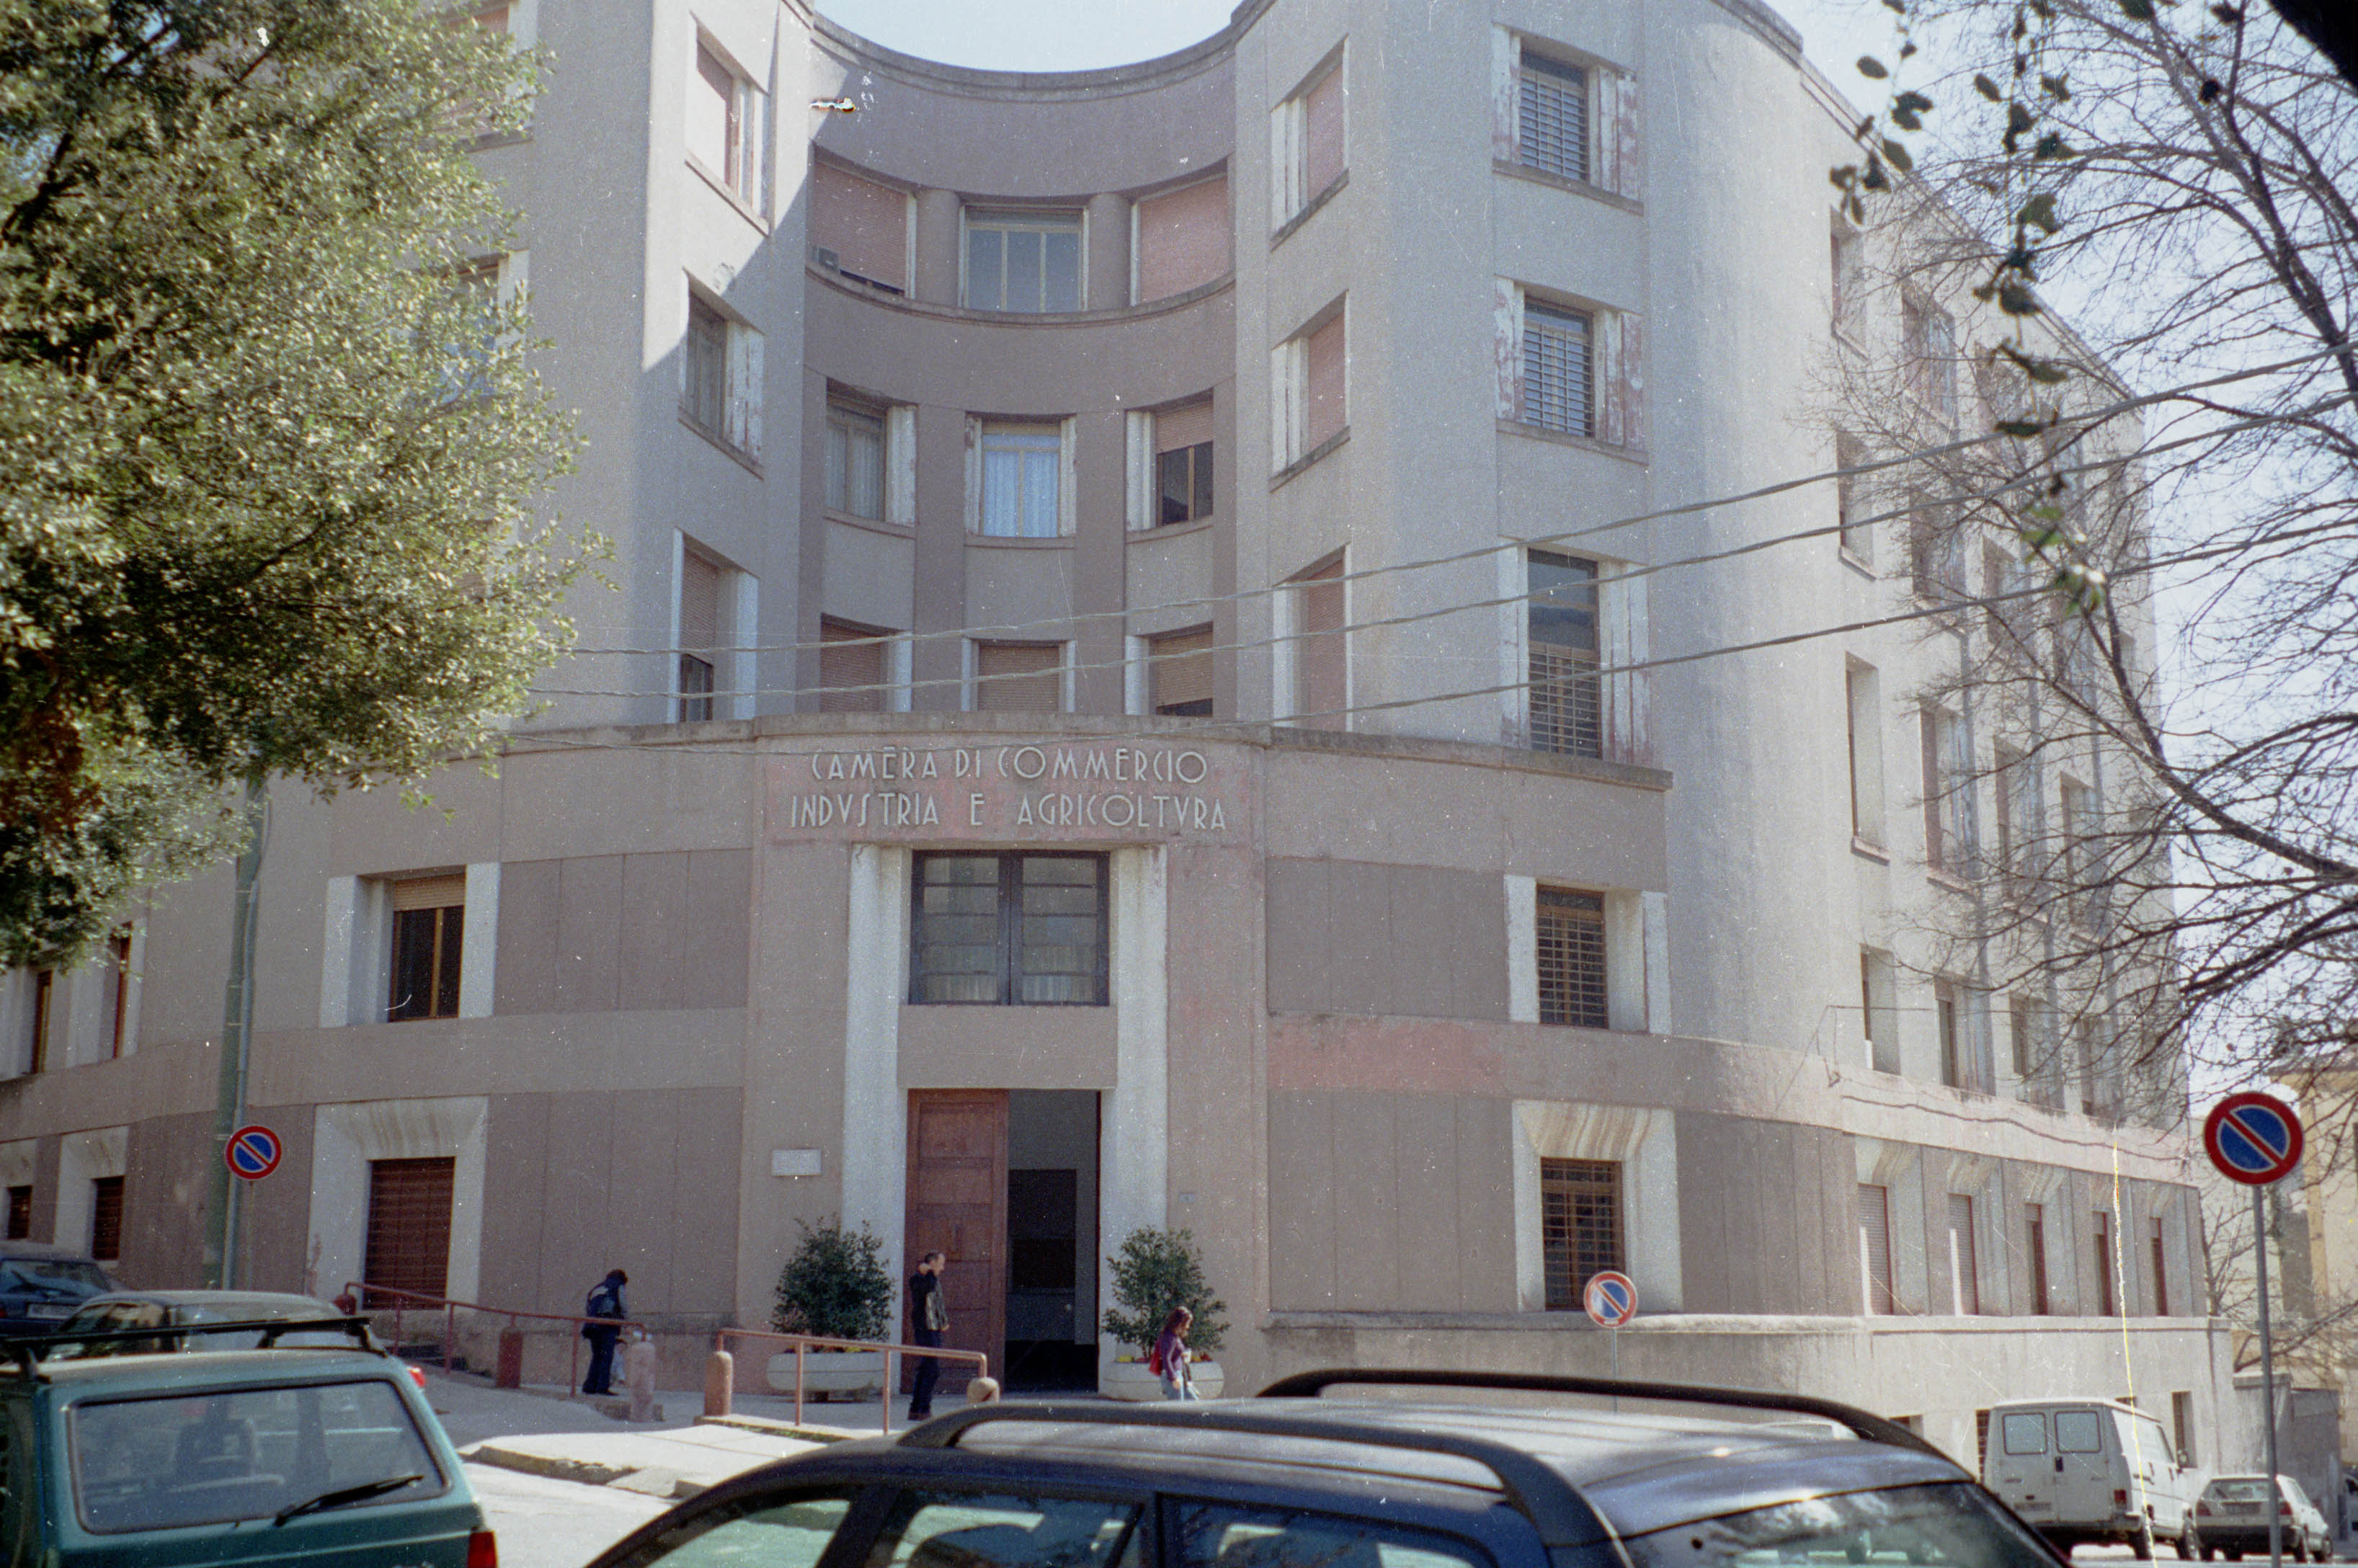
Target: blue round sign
(2252,1138)
(253,1152)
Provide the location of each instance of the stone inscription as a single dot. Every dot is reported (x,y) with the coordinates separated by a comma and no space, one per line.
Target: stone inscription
(1074,791)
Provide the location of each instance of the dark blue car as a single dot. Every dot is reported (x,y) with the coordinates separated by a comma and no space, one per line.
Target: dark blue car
(41,1285)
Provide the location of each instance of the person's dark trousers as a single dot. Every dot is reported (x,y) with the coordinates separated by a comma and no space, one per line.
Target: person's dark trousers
(602,1361)
(929,1373)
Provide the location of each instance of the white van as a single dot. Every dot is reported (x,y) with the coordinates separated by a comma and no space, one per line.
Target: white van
(2089,1470)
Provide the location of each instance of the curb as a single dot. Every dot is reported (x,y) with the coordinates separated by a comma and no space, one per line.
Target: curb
(547,1466)
(770,1428)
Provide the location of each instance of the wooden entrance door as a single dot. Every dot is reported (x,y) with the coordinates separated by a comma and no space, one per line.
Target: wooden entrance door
(957,1203)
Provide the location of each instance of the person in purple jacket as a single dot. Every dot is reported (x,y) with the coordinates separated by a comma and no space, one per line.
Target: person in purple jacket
(1171,1355)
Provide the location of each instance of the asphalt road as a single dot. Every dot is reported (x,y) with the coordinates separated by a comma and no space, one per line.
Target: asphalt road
(554,1524)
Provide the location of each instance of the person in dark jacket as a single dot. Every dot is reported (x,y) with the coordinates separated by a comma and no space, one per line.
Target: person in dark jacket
(929,1314)
(606,1301)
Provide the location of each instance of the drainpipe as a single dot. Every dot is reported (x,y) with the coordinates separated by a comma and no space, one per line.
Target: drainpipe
(237,1037)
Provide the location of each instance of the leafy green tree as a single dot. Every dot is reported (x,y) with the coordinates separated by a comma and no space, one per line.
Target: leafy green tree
(1154,1271)
(270,443)
(835,1285)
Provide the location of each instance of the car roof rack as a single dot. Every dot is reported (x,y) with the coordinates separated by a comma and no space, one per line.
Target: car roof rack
(1859,1423)
(1568,1524)
(26,1350)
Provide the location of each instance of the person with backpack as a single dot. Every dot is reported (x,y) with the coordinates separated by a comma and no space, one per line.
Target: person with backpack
(1169,1360)
(605,1302)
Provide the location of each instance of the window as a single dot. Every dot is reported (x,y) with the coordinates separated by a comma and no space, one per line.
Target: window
(1552,117)
(1851,509)
(1948,800)
(1182,464)
(20,1213)
(1876,996)
(2010,775)
(2182,1426)
(1019,677)
(855,461)
(859,229)
(2091,1071)
(1964,1275)
(1217,1535)
(851,677)
(1321,648)
(1928,343)
(720,384)
(2080,889)
(1567,698)
(701,612)
(792,1531)
(1846,283)
(1954,1065)
(1571,934)
(1025,262)
(2034,1218)
(2023,1432)
(2160,1271)
(1306,136)
(1309,406)
(1861,694)
(1022,478)
(106,1219)
(2079,1432)
(1580,1226)
(724,125)
(37,1055)
(1936,554)
(2102,1232)
(1559,371)
(429,918)
(1179,674)
(980,1530)
(1181,240)
(1008,929)
(1874,1250)
(118,991)
(407,1245)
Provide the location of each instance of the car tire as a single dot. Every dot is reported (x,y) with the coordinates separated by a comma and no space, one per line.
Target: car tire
(2189,1548)
(2141,1543)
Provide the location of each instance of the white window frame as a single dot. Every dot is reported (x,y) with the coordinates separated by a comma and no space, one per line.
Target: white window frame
(744,383)
(1289,141)
(748,110)
(1289,386)
(1044,220)
(981,432)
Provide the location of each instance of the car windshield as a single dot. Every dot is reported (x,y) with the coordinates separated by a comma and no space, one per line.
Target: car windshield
(53,1276)
(158,1463)
(1949,1524)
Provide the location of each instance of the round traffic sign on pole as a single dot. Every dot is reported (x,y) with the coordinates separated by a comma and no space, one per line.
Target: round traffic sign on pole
(2252,1138)
(1611,1298)
(253,1152)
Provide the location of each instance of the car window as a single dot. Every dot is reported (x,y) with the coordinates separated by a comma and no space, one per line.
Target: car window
(930,1528)
(2078,1432)
(156,1463)
(783,1535)
(2293,1490)
(52,1275)
(1951,1525)
(2252,1491)
(2025,1434)
(1215,1535)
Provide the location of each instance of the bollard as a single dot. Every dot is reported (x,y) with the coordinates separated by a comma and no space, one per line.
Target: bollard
(510,1368)
(719,1382)
(640,1358)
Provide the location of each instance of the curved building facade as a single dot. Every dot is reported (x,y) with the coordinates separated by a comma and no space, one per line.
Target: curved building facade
(1165,664)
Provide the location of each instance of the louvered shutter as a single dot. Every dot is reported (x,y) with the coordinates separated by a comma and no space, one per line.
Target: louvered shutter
(850,670)
(1019,677)
(1322,684)
(1182,672)
(1874,1247)
(408,1245)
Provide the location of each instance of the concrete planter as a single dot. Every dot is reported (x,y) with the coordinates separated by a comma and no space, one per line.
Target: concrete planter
(1132,1381)
(860,1373)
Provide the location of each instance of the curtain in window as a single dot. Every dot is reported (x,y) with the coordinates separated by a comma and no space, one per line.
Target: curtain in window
(1019,479)
(855,463)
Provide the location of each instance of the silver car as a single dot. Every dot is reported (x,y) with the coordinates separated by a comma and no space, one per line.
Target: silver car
(123,1311)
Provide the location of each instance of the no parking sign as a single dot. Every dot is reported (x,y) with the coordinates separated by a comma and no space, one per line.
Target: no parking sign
(253,1152)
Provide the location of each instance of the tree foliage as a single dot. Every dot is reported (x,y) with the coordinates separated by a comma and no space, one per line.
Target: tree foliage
(1154,1271)
(268,441)
(835,1285)
(2190,176)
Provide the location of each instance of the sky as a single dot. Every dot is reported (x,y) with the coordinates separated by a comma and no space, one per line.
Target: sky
(1078,35)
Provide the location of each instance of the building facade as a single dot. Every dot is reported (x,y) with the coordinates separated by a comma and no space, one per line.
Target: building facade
(1178,653)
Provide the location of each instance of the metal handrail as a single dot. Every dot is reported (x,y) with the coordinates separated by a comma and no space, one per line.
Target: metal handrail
(360,1290)
(804,1344)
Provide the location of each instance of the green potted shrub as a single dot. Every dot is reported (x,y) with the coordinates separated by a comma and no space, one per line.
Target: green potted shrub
(835,1286)
(1153,1272)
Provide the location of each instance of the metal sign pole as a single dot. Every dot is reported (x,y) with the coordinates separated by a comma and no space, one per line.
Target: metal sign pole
(2267,1379)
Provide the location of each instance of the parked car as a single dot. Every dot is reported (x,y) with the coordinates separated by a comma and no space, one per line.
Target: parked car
(2233,1516)
(221,1459)
(120,1311)
(41,1285)
(1361,1470)
(2089,1470)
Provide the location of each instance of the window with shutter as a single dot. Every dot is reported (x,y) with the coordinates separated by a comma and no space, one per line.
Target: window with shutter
(1874,1250)
(2101,1234)
(2034,1218)
(1552,117)
(37,1050)
(1571,936)
(1325,394)
(428,942)
(704,396)
(1321,134)
(862,225)
(408,1235)
(2160,1271)
(724,121)
(1964,1272)
(701,637)
(1567,698)
(1559,369)
(1321,649)
(1948,1027)
(851,676)
(106,1219)
(1183,239)
(20,1213)
(118,991)
(1019,677)
(1851,510)
(1579,1226)
(1183,463)
(1862,698)
(1180,673)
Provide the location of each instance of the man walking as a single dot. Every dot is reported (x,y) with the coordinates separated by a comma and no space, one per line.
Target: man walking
(929,1314)
(605,1302)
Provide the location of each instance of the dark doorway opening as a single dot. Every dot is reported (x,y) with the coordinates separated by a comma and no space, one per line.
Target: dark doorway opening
(1052,1237)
